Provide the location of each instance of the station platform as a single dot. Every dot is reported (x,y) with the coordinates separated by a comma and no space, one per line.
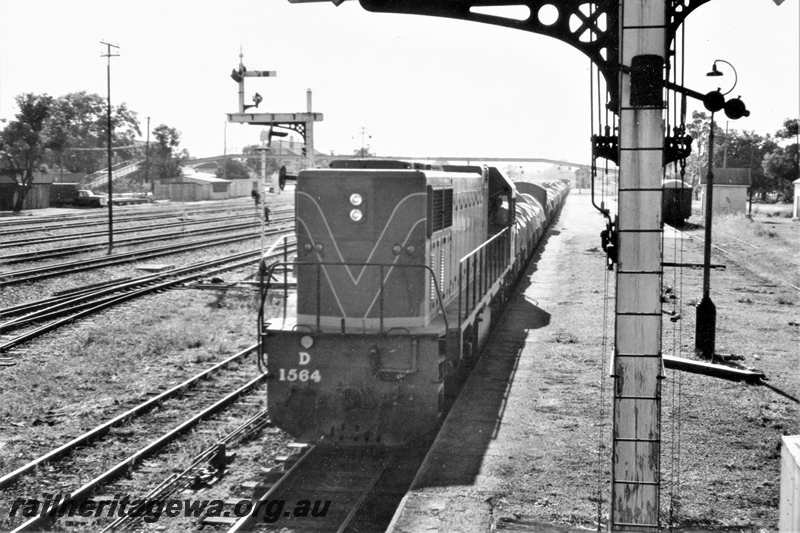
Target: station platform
(518,450)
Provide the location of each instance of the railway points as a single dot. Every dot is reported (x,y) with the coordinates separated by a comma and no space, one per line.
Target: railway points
(200,403)
(60,269)
(123,418)
(64,309)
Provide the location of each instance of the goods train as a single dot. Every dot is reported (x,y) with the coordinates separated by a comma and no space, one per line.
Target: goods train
(402,270)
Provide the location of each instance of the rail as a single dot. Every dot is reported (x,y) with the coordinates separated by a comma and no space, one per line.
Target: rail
(80,304)
(267,273)
(44,521)
(126,417)
(69,267)
(479,269)
(355,476)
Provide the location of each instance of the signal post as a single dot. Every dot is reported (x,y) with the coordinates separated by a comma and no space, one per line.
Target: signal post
(301,123)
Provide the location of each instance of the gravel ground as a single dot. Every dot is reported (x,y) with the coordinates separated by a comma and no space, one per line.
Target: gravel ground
(720,440)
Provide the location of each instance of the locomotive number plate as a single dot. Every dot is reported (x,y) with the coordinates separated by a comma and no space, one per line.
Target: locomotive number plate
(293,374)
(302,375)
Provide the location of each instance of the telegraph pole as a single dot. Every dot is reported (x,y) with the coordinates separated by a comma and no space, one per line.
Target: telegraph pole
(635,468)
(108,55)
(147,158)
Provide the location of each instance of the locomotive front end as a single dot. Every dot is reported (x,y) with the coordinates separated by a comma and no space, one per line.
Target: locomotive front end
(355,366)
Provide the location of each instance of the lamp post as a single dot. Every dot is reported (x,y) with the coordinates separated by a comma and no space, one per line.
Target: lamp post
(706,324)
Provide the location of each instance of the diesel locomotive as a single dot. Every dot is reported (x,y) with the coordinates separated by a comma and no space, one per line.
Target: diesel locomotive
(401,271)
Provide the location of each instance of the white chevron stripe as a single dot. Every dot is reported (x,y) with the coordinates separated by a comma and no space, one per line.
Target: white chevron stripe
(333,239)
(394,262)
(386,277)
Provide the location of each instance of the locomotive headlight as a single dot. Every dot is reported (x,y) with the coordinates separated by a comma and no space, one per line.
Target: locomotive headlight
(356,199)
(356,215)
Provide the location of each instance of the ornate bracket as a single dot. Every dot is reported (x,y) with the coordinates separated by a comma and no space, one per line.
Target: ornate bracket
(298,127)
(590,26)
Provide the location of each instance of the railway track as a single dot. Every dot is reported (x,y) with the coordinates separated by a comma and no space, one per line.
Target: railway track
(40,317)
(727,249)
(101,430)
(11,226)
(211,461)
(338,481)
(136,437)
(80,248)
(69,267)
(179,221)
(39,255)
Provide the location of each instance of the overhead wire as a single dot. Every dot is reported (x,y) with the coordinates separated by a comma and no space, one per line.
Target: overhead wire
(680,293)
(679,169)
(595,93)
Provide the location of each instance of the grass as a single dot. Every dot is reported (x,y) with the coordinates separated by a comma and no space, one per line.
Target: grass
(728,434)
(91,370)
(774,247)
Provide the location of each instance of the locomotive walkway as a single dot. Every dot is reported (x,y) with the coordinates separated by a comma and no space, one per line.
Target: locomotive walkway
(497,463)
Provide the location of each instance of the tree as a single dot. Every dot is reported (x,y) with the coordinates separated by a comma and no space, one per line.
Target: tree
(746,149)
(23,143)
(781,166)
(790,129)
(78,126)
(233,170)
(165,159)
(699,129)
(782,163)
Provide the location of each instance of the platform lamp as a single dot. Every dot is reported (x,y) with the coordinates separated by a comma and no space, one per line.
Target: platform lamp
(714,101)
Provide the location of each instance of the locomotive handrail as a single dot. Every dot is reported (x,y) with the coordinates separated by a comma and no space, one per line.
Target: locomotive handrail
(263,270)
(484,244)
(482,277)
(268,271)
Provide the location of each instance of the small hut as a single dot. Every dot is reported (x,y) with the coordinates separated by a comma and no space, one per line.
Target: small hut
(38,196)
(730,190)
(193,186)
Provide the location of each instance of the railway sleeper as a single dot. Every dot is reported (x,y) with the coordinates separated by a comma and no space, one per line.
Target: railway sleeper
(256,488)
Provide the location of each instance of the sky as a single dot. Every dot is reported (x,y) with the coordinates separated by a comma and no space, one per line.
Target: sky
(420,86)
